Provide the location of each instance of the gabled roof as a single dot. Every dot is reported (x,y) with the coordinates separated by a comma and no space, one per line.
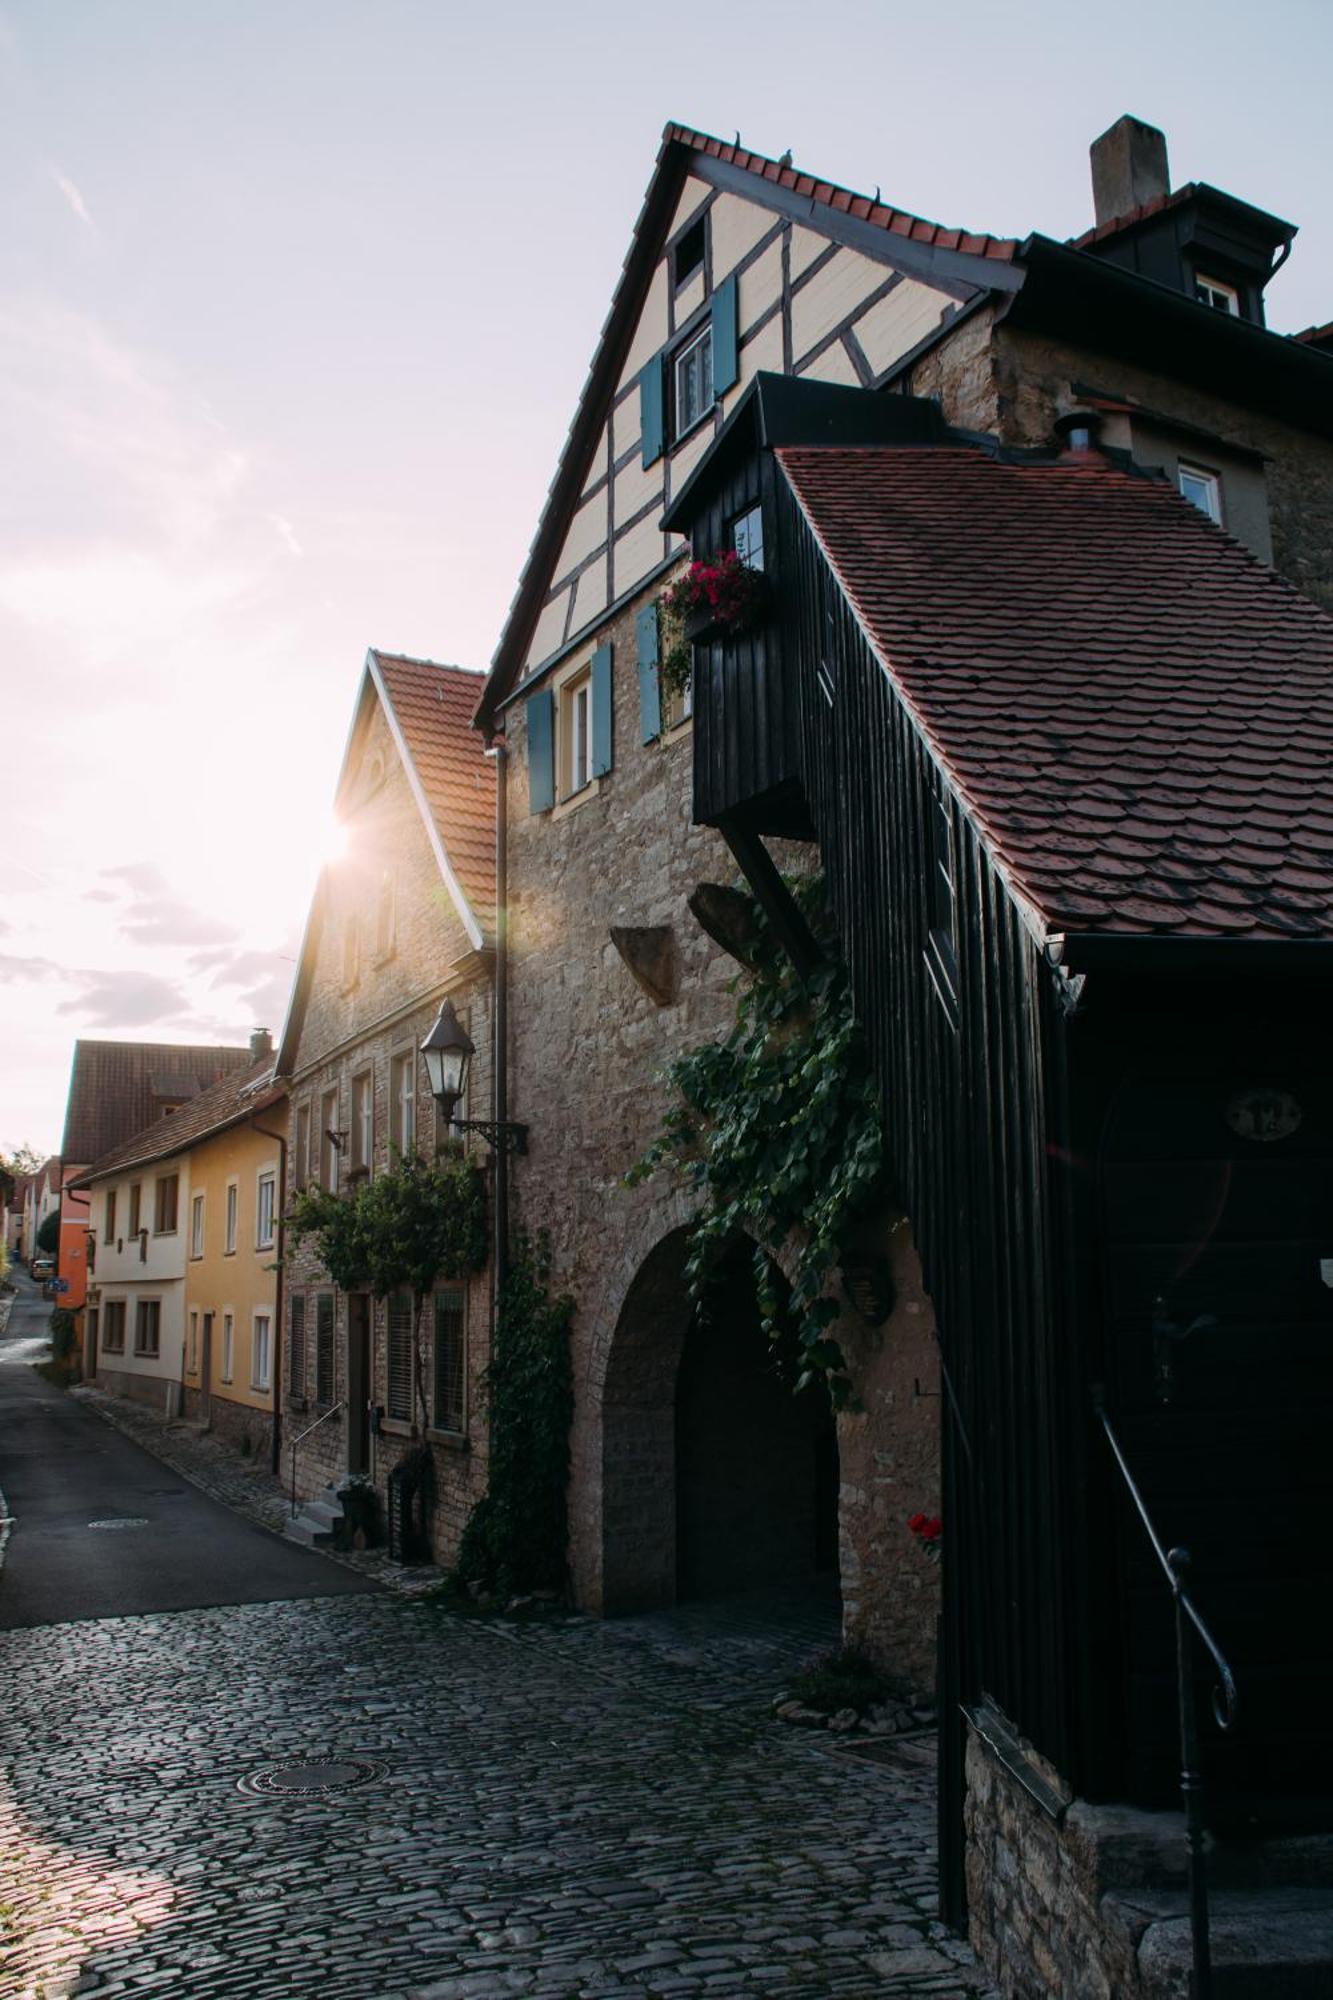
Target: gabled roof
(116,1088)
(1138,715)
(428,709)
(1196,191)
(819,204)
(239,1096)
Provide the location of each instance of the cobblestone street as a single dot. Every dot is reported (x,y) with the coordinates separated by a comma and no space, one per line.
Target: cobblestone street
(563,1809)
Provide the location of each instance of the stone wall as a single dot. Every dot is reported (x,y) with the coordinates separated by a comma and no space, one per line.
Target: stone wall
(155,1392)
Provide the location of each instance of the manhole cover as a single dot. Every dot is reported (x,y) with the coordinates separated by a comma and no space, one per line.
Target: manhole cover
(305,1777)
(135,1521)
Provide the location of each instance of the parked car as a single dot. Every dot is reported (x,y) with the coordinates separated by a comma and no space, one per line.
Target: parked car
(42,1267)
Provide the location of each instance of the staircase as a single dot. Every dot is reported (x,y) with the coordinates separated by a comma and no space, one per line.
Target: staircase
(317,1523)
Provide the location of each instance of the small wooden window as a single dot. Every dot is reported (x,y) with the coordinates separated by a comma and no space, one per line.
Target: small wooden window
(324,1348)
(688,256)
(403,1106)
(576,734)
(692,379)
(136,1204)
(363,1122)
(109,1231)
(450,1362)
(167,1198)
(148,1327)
(261,1351)
(747,537)
(233,1208)
(399,1385)
(113,1327)
(1203,489)
(196,1225)
(296,1344)
(1221,297)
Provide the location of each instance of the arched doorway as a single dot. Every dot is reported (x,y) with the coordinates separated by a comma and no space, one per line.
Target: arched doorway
(717,1477)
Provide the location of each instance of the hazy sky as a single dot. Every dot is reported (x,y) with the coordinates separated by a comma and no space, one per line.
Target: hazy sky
(296,299)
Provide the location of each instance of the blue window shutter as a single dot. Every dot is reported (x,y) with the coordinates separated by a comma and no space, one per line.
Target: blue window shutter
(650,687)
(652,410)
(726,361)
(601,711)
(541,751)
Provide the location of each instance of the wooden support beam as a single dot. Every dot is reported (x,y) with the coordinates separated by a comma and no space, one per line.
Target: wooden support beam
(774,898)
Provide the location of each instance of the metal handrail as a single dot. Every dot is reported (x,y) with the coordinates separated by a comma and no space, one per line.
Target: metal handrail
(1226,1704)
(300,1438)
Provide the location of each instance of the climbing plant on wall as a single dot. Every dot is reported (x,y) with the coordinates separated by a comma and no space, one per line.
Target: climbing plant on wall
(777,1131)
(412,1224)
(515,1537)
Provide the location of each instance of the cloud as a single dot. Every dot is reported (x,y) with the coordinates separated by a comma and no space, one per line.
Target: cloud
(73,197)
(15,971)
(126,1000)
(156,915)
(286,533)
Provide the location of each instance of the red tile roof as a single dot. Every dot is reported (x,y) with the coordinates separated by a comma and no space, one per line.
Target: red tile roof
(116,1088)
(866,208)
(1115,223)
(433,706)
(226,1103)
(1138,714)
(1316,336)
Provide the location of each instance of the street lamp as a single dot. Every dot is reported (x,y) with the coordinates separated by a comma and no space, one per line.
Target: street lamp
(446,1052)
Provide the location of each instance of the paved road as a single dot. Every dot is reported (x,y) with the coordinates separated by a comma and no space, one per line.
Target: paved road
(63,1471)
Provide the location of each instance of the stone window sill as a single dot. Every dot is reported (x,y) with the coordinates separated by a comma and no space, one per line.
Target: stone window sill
(564,807)
(397,1427)
(450,1440)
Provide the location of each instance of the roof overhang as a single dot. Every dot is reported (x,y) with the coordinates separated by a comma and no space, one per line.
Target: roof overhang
(1096,951)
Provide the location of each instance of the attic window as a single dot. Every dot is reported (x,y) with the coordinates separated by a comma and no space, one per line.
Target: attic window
(693,374)
(1212,292)
(1202,489)
(688,256)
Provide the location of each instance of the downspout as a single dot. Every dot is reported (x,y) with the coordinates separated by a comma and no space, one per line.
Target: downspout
(279,1345)
(500,1027)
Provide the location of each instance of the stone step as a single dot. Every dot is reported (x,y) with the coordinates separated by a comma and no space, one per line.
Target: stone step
(327,1513)
(311,1534)
(1267,1944)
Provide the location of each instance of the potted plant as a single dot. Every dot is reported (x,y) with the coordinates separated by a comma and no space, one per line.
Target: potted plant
(716,597)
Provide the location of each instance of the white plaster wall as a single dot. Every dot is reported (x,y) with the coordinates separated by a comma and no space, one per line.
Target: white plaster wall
(888,329)
(736,226)
(830,297)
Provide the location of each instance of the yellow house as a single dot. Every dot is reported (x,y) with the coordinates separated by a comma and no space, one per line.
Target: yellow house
(232,1225)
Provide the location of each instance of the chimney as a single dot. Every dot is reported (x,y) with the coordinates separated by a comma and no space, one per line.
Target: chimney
(261,1044)
(1129,167)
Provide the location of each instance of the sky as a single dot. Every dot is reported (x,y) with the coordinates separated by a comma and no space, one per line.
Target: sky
(296,301)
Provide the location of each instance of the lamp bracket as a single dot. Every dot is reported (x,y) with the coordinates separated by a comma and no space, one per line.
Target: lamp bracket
(504,1134)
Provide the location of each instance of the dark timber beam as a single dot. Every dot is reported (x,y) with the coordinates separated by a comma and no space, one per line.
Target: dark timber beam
(774,898)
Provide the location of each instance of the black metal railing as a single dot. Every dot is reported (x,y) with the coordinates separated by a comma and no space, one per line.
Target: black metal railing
(1175,1565)
(300,1438)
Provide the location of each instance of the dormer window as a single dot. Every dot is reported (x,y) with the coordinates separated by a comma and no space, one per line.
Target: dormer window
(694,381)
(1212,292)
(1203,489)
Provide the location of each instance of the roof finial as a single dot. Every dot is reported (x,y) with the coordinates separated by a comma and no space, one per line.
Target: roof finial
(879,199)
(736,142)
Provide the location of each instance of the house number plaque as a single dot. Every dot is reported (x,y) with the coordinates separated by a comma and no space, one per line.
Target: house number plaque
(1263,1114)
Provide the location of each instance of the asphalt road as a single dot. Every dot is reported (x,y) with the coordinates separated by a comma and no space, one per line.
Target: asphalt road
(66,1475)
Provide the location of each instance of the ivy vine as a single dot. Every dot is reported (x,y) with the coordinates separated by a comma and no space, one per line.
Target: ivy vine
(777,1130)
(515,1538)
(418,1221)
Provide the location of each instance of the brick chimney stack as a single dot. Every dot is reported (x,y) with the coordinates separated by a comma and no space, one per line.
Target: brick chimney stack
(261,1044)
(1129,167)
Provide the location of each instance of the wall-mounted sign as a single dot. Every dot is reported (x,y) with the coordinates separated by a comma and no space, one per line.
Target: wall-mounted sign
(1263,1114)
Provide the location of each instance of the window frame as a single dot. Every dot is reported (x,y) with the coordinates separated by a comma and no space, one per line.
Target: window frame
(1208,478)
(697,227)
(329,1155)
(403,1123)
(192,1348)
(197,1226)
(301,1144)
(1221,289)
(573,696)
(398,1304)
(232,1218)
(109,1218)
(694,343)
(148,1311)
(362,1122)
(326,1308)
(266,1178)
(112,1326)
(160,1206)
(136,1208)
(296,1351)
(228,1372)
(457,1295)
(262,1316)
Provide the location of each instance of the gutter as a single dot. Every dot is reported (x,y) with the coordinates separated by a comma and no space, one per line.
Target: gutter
(500,1030)
(1091,951)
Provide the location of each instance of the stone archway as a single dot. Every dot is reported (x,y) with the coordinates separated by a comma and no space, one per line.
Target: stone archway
(715,1476)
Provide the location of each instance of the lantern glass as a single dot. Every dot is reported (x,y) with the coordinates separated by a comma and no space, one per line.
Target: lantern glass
(446,1052)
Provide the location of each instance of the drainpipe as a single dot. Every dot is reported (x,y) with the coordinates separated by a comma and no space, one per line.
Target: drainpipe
(266,1132)
(500,1025)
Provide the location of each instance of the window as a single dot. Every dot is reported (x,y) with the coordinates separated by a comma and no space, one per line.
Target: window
(261,1351)
(197,1225)
(575,734)
(363,1122)
(403,1104)
(136,1202)
(192,1355)
(384,916)
(324,1348)
(693,380)
(688,255)
(228,1347)
(398,1402)
(1202,489)
(113,1327)
(747,537)
(233,1205)
(265,1200)
(351,949)
(450,1362)
(109,1229)
(329,1141)
(301,1147)
(1212,292)
(677,704)
(296,1344)
(148,1327)
(167,1194)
